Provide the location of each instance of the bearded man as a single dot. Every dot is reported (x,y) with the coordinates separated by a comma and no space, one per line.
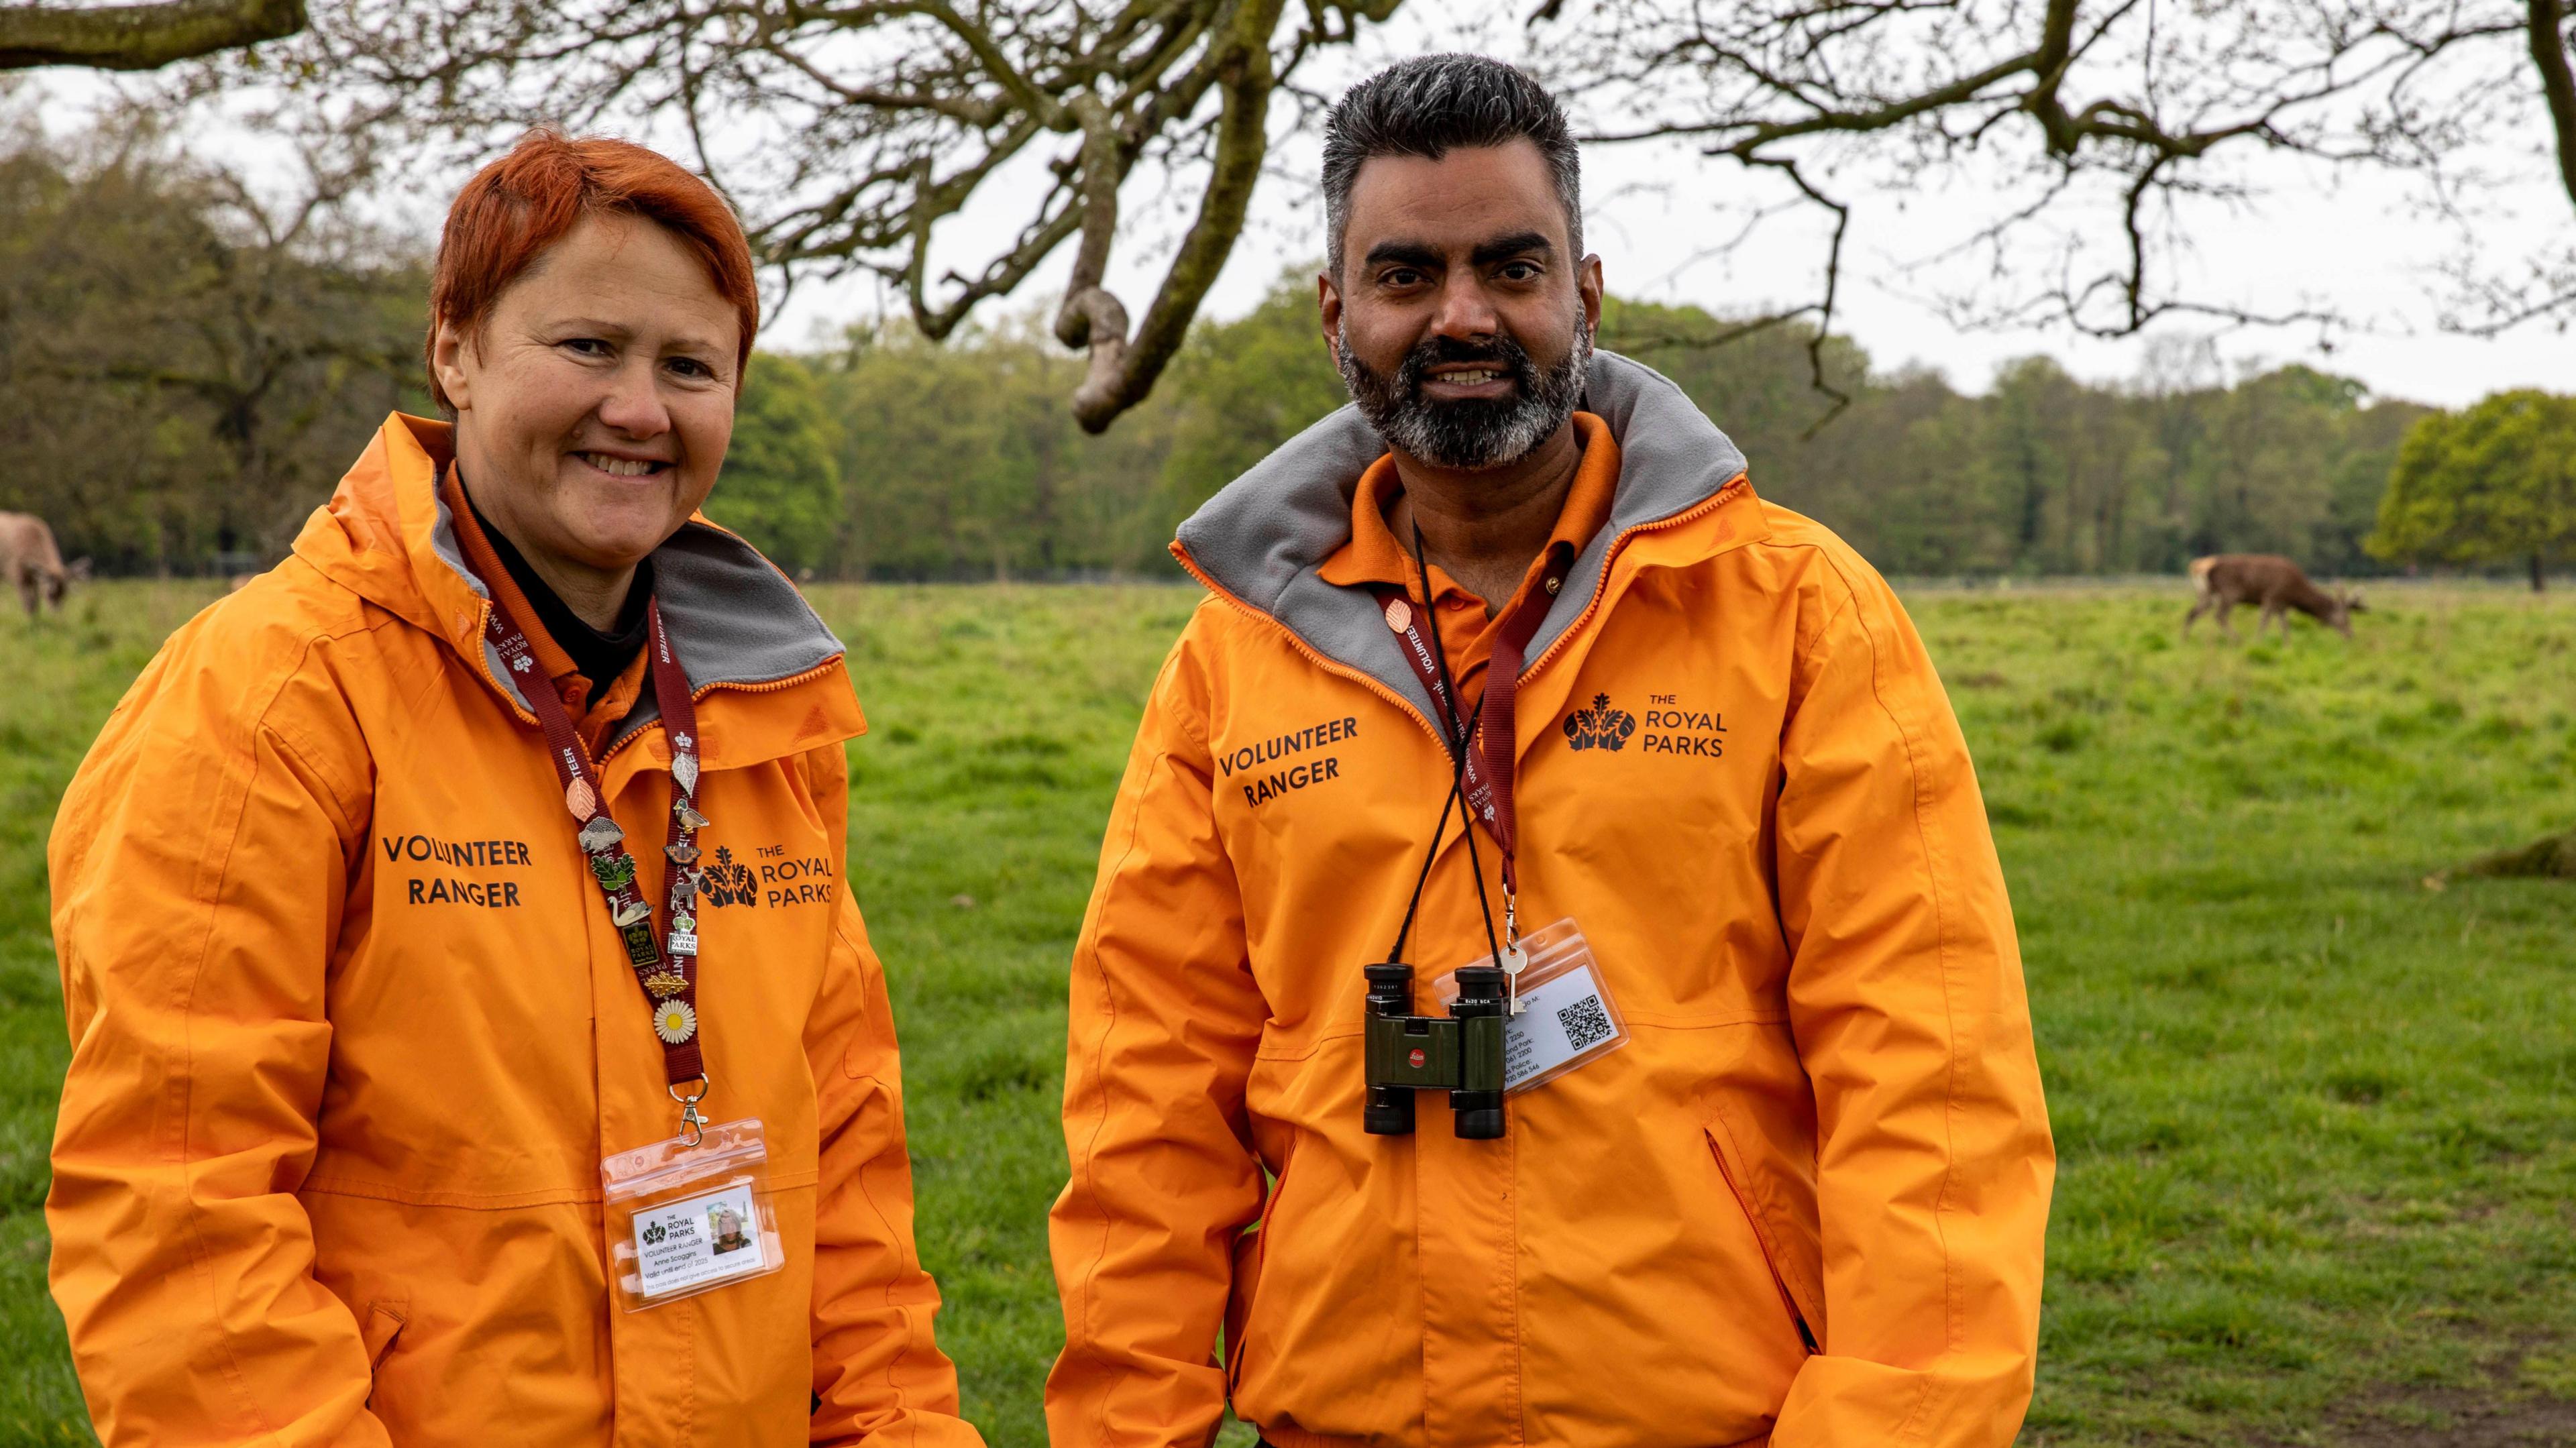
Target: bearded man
(1710,1115)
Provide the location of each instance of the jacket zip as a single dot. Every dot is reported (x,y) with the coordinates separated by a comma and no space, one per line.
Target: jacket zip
(701,691)
(483,666)
(1609,560)
(1762,1241)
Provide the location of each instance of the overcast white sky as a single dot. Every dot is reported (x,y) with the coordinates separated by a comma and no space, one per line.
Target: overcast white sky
(2348,244)
(2349,241)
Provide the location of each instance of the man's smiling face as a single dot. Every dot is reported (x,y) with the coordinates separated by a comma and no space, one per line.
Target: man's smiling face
(1461,319)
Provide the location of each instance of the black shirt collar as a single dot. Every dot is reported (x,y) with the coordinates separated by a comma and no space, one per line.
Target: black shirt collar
(600,655)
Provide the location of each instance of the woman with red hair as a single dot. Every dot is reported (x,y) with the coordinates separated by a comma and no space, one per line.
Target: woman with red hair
(475,1039)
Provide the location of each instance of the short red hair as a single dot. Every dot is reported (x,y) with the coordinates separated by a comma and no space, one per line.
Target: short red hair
(518,206)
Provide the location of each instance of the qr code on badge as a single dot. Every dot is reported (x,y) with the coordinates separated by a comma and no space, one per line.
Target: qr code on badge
(1586,1024)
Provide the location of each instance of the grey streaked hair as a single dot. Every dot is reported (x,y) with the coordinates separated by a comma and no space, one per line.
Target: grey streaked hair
(1431,105)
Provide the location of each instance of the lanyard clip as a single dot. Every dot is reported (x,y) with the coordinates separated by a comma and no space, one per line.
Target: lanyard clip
(692,1125)
(1515,959)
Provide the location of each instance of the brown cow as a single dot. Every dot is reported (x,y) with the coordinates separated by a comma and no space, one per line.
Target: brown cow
(2224,580)
(29,558)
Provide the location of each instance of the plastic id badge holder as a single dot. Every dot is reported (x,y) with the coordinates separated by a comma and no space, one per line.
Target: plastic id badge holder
(1566,1018)
(688,1219)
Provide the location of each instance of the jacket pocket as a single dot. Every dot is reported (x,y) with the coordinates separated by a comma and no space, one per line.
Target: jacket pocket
(377,1331)
(1721,1147)
(1251,1248)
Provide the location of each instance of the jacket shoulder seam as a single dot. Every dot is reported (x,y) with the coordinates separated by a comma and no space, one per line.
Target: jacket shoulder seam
(1811,639)
(206,893)
(1087,948)
(1188,719)
(1943,925)
(297,741)
(200,1255)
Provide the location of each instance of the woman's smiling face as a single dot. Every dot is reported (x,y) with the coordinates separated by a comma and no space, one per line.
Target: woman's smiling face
(594,402)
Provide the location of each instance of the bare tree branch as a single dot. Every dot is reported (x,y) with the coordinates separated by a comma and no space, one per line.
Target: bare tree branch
(1123,369)
(2115,111)
(857,130)
(1824,309)
(139,37)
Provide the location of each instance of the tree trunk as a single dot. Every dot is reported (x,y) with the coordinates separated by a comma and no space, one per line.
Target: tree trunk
(2539,576)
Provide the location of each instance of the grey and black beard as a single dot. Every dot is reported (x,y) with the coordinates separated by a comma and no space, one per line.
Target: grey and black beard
(1473,432)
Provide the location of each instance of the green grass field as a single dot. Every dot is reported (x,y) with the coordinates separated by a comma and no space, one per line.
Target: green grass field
(2317,1118)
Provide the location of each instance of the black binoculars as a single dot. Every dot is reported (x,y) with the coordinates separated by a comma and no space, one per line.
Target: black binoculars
(1461,1052)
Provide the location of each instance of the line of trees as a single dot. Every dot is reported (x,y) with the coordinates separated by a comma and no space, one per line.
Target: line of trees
(957,461)
(192,365)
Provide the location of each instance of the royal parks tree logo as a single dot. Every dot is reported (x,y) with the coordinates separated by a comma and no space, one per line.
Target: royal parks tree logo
(1599,727)
(654,1234)
(728,881)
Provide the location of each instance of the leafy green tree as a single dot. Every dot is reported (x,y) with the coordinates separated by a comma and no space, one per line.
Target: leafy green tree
(782,481)
(191,363)
(2360,471)
(2258,478)
(960,461)
(2495,482)
(1239,389)
(943,471)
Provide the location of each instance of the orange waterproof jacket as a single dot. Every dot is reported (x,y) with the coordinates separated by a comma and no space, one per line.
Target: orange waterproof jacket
(352,1032)
(1804,1205)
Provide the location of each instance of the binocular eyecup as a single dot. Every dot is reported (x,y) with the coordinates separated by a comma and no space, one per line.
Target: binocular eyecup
(1390,995)
(1461,1052)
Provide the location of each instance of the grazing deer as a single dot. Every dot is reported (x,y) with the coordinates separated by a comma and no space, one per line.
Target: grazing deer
(29,559)
(2225,580)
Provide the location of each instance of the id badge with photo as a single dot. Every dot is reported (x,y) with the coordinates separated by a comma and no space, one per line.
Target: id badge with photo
(688,1219)
(1566,1018)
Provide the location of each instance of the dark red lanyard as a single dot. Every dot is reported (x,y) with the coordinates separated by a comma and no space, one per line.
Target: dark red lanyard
(670,980)
(1488,768)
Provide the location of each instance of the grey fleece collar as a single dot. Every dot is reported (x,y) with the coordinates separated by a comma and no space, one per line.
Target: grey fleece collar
(733,618)
(1265,536)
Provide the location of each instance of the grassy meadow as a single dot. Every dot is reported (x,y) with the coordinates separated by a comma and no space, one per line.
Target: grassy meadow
(2316,1113)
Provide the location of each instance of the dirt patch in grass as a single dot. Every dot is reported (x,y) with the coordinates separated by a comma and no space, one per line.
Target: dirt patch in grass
(2516,1408)
(2453,1418)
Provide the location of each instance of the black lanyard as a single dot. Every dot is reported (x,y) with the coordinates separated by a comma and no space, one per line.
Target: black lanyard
(1482,749)
(1486,770)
